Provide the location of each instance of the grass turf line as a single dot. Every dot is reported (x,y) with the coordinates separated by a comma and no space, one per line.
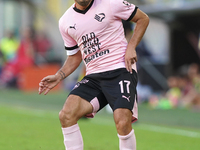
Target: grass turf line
(29,122)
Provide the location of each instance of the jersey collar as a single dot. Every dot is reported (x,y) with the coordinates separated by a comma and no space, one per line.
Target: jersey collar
(84,11)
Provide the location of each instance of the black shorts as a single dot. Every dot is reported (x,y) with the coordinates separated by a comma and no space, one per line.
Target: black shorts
(116,88)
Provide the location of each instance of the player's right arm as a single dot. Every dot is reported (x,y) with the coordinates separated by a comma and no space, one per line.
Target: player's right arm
(49,82)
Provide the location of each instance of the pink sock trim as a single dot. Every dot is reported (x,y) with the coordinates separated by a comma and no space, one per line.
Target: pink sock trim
(72,138)
(127,142)
(125,137)
(71,129)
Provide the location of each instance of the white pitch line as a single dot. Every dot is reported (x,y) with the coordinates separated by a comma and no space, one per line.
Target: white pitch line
(154,128)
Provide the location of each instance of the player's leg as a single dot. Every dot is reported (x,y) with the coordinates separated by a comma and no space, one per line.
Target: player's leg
(74,108)
(123,118)
(84,100)
(123,121)
(120,92)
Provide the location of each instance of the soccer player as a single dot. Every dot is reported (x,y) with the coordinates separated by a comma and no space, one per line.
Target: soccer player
(92,31)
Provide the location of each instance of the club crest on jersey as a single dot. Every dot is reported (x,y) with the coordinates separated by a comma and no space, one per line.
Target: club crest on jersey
(100,17)
(127,4)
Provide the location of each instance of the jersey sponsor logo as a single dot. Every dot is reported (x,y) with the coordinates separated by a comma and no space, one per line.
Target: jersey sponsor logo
(91,47)
(90,43)
(73,27)
(100,17)
(96,55)
(127,98)
(127,4)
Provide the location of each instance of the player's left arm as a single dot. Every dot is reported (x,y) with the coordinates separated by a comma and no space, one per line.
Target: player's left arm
(141,20)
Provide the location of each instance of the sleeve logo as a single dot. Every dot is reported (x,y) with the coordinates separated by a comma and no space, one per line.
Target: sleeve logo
(127,4)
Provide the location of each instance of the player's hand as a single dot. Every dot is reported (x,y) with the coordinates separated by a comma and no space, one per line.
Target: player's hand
(130,58)
(48,83)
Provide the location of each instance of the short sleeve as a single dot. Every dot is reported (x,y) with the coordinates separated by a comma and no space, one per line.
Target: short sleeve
(70,44)
(123,9)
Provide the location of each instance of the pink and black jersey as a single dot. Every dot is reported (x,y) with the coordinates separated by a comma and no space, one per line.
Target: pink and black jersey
(98,33)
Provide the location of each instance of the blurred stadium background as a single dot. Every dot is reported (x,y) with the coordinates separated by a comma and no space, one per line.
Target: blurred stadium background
(169,51)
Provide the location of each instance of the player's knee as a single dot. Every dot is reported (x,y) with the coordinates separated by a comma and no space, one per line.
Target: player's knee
(66,118)
(61,115)
(123,127)
(123,122)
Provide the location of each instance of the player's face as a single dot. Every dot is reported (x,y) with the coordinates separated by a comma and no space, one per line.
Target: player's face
(83,2)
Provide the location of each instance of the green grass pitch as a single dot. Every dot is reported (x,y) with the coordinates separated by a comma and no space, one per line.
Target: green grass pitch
(29,121)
